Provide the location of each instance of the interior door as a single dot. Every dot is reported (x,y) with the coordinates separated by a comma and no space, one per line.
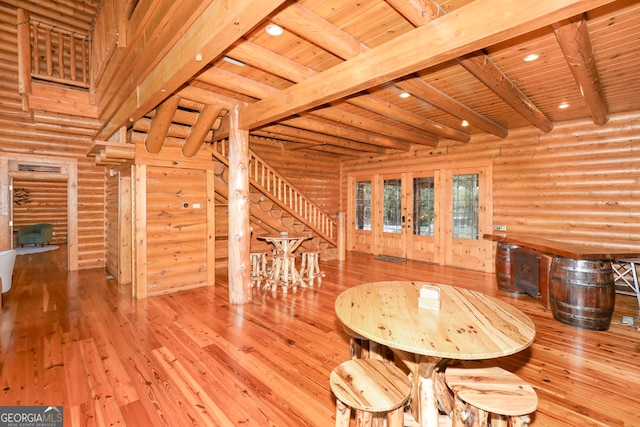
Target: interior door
(395,221)
(467,218)
(423,233)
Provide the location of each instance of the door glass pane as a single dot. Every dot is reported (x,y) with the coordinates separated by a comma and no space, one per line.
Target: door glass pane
(363,205)
(423,206)
(465,206)
(392,206)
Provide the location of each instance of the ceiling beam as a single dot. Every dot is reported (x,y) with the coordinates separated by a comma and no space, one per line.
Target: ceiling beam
(484,69)
(259,57)
(480,65)
(200,130)
(160,124)
(252,88)
(574,40)
(300,20)
(321,138)
(441,40)
(212,32)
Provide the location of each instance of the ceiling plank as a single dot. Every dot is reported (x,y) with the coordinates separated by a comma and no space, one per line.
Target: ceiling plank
(423,90)
(252,88)
(480,65)
(346,132)
(484,69)
(323,138)
(308,25)
(219,25)
(574,40)
(444,39)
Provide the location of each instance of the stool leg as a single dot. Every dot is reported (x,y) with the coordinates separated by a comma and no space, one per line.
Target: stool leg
(520,421)
(395,418)
(498,420)
(343,414)
(364,419)
(355,348)
(460,413)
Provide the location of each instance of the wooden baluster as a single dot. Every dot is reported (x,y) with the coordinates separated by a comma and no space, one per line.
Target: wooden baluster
(72,59)
(36,49)
(47,53)
(60,55)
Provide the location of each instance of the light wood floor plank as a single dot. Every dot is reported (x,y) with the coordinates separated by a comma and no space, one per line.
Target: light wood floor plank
(190,358)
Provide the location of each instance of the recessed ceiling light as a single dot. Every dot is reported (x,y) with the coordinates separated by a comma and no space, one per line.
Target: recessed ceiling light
(274,30)
(233,61)
(465,123)
(404,95)
(531,57)
(563,105)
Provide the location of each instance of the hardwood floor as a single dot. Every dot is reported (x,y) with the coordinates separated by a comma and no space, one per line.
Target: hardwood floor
(190,358)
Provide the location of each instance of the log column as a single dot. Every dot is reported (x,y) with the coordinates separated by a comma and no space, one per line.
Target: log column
(239,231)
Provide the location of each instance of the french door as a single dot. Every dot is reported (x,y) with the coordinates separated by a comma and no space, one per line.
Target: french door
(437,216)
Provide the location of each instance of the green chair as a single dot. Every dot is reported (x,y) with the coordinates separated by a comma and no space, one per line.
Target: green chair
(35,234)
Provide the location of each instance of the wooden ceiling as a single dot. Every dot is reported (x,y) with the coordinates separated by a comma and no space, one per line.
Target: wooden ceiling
(332,81)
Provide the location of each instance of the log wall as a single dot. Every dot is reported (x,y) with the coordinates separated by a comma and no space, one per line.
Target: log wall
(315,174)
(45,202)
(49,134)
(577,183)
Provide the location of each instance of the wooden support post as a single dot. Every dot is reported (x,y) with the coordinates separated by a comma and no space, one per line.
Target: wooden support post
(342,237)
(239,232)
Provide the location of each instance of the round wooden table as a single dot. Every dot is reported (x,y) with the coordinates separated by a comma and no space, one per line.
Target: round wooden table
(469,325)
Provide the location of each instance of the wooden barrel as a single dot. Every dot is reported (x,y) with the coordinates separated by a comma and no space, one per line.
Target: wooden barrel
(503,267)
(582,292)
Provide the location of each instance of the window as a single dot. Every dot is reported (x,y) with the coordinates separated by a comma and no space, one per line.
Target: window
(392,193)
(423,212)
(363,205)
(465,206)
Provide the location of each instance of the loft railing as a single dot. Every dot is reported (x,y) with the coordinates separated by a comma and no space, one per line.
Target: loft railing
(51,53)
(283,193)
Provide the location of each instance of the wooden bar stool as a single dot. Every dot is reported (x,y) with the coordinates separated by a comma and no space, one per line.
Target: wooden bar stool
(490,393)
(371,387)
(258,268)
(284,273)
(309,267)
(626,277)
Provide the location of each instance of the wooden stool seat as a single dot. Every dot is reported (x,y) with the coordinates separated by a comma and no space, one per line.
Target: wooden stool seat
(369,386)
(491,390)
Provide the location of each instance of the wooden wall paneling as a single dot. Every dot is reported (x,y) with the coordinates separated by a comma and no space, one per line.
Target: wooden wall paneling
(6,238)
(314,173)
(125,238)
(139,282)
(90,214)
(211,227)
(176,229)
(111,224)
(66,169)
(46,202)
(578,183)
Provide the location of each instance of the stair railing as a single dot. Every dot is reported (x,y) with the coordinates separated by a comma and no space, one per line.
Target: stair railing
(52,53)
(283,193)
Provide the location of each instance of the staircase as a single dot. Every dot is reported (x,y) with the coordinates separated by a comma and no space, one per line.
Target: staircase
(276,205)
